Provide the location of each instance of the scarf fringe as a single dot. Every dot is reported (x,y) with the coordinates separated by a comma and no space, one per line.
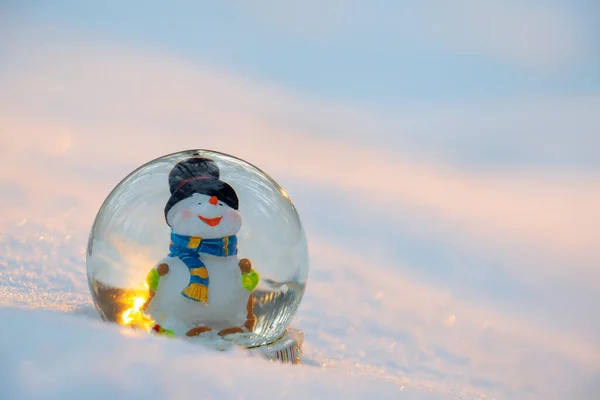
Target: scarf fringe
(196,291)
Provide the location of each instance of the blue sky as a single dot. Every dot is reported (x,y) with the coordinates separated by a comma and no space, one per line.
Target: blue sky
(394,59)
(373,52)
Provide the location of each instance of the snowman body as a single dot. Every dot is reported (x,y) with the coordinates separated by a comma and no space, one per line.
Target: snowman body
(201,216)
(227,298)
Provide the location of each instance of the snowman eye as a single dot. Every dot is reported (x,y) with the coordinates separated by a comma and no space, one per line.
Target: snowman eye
(199,203)
(221,204)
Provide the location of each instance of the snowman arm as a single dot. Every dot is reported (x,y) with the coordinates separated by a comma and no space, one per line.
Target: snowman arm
(152,280)
(250,277)
(245,265)
(155,274)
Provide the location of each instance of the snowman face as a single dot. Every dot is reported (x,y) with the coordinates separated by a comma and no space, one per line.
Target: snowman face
(204,216)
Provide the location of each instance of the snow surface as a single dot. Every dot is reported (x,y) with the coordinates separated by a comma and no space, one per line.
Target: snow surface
(369,334)
(63,350)
(64,356)
(429,279)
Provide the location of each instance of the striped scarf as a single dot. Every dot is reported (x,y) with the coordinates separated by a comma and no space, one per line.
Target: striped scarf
(188,250)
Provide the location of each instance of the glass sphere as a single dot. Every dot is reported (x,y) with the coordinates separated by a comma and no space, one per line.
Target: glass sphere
(199,245)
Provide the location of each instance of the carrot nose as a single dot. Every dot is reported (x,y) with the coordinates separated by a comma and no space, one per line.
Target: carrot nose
(213,200)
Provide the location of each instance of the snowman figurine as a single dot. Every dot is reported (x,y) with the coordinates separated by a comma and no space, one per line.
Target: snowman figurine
(202,285)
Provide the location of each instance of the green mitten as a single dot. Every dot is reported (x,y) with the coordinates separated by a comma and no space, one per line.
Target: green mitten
(169,332)
(162,331)
(152,279)
(250,280)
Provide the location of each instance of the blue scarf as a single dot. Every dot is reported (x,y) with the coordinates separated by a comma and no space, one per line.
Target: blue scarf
(188,250)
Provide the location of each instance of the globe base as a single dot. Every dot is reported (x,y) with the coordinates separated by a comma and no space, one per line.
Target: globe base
(287,349)
(125,307)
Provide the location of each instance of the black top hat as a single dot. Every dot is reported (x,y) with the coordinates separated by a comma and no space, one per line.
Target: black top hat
(198,175)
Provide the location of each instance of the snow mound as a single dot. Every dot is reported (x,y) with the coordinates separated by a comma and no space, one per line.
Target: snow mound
(54,355)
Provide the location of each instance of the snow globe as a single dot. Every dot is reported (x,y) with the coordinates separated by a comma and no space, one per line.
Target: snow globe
(202,246)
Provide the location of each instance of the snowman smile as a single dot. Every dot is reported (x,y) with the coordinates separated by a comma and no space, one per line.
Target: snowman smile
(210,221)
